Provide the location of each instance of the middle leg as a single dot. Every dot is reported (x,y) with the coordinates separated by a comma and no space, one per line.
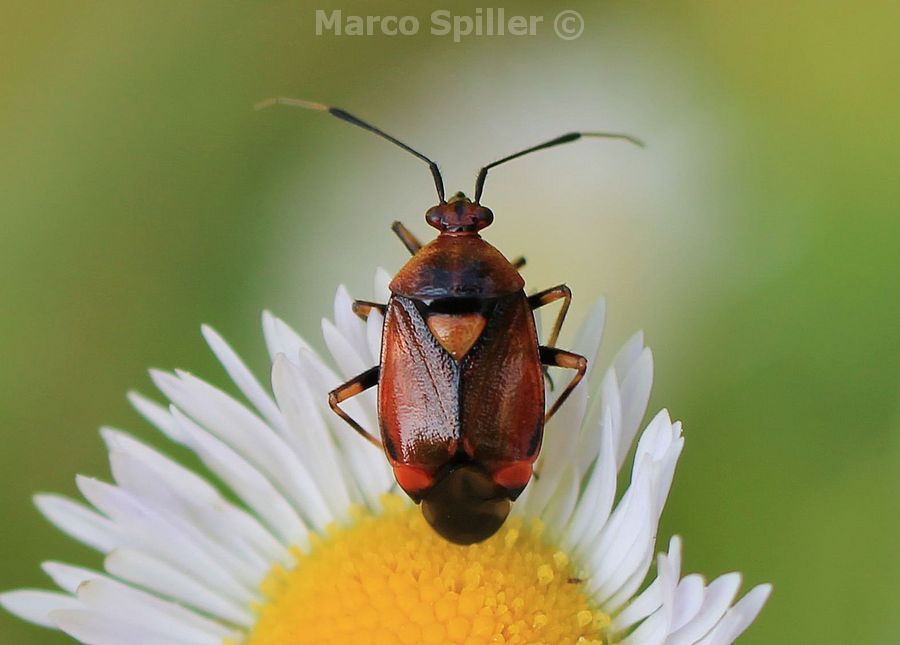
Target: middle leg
(554,357)
(356,385)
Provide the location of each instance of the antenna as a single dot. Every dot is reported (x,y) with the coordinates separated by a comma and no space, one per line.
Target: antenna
(566,138)
(349,118)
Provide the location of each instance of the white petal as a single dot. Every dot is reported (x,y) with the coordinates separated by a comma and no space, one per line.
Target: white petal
(638,609)
(78,521)
(633,568)
(634,393)
(589,436)
(76,579)
(157,415)
(557,452)
(666,469)
(348,323)
(653,630)
(363,461)
(655,590)
(68,577)
(599,492)
(310,437)
(374,330)
(628,547)
(243,378)
(558,435)
(688,600)
(619,534)
(717,597)
(321,379)
(162,578)
(560,508)
(153,531)
(674,553)
(248,483)
(349,361)
(737,619)
(35,605)
(628,578)
(381,286)
(170,619)
(87,626)
(610,399)
(280,338)
(163,483)
(628,354)
(590,334)
(613,398)
(243,431)
(367,465)
(659,449)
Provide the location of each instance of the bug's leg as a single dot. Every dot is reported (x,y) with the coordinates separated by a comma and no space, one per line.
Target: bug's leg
(547,296)
(555,357)
(363,308)
(409,240)
(351,388)
(519,262)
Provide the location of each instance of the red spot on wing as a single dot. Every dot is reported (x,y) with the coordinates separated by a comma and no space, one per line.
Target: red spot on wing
(513,476)
(411,479)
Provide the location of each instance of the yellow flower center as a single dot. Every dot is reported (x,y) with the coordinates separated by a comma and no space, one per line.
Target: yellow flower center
(390,579)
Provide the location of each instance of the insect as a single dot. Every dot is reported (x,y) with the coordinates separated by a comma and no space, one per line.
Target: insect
(461,376)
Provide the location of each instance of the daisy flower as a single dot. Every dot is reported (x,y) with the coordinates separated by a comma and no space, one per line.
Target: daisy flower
(300,535)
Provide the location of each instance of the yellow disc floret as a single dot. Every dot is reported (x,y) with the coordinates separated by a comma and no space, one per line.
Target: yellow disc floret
(390,579)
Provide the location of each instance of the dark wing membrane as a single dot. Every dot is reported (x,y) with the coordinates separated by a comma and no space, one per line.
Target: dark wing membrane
(417,396)
(502,388)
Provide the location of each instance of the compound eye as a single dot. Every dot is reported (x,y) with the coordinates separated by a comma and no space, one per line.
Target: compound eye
(466,506)
(484,217)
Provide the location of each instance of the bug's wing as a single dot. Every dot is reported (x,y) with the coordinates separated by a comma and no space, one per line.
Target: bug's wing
(502,388)
(417,398)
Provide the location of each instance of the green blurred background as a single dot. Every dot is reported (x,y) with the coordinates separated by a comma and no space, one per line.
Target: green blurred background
(755,240)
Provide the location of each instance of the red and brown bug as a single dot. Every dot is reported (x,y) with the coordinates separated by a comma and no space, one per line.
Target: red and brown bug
(461,389)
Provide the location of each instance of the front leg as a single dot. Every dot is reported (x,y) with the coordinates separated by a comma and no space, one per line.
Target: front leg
(547,296)
(356,385)
(409,240)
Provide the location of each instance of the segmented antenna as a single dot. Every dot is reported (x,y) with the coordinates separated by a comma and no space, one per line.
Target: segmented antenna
(349,118)
(566,138)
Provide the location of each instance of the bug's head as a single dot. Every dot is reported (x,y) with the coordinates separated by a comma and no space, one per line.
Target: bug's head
(459,215)
(465,505)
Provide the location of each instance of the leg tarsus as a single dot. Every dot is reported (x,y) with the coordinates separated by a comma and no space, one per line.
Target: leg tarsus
(409,240)
(351,388)
(519,262)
